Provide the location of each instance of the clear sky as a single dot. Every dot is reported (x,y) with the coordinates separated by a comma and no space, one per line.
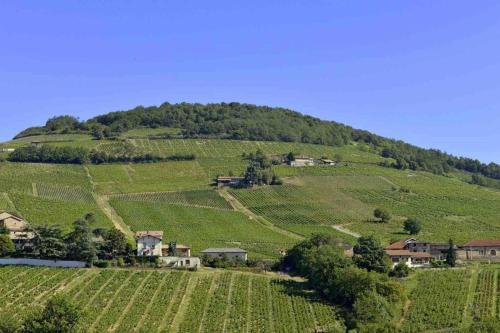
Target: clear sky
(427,72)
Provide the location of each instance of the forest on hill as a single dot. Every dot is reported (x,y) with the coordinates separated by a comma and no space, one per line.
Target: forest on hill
(251,122)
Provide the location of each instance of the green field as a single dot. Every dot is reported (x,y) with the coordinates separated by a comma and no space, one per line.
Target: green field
(159,301)
(202,227)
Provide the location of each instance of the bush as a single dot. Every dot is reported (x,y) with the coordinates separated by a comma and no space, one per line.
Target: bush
(120,262)
(6,246)
(383,215)
(101,263)
(58,316)
(372,308)
(401,270)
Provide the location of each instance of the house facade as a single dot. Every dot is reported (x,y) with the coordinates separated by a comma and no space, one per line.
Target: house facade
(229,253)
(436,250)
(481,249)
(18,230)
(411,259)
(149,243)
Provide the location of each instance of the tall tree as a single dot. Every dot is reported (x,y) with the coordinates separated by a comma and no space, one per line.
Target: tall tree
(49,242)
(79,241)
(412,226)
(6,245)
(451,254)
(369,254)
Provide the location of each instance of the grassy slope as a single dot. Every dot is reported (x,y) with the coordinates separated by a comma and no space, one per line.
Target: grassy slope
(312,200)
(145,301)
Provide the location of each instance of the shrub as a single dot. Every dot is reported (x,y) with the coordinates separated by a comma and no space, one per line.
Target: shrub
(401,270)
(101,263)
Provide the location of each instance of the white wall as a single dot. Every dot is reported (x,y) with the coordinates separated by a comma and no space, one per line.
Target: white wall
(43,262)
(149,242)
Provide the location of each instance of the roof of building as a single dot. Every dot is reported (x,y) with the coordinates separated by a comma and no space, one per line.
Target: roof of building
(483,242)
(156,234)
(224,250)
(400,245)
(5,215)
(406,253)
(327,160)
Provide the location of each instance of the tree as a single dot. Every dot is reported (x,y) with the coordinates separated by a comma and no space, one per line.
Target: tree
(115,243)
(451,254)
(401,270)
(6,245)
(412,226)
(253,174)
(79,241)
(369,254)
(382,214)
(58,316)
(49,242)
(371,308)
(290,157)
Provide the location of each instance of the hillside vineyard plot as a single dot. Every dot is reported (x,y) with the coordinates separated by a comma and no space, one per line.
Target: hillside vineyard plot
(146,301)
(202,227)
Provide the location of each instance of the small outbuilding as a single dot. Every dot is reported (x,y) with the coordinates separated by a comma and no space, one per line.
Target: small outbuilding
(229,181)
(302,161)
(229,253)
(149,243)
(325,161)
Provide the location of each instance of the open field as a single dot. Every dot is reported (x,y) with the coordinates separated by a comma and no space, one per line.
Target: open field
(159,301)
(203,227)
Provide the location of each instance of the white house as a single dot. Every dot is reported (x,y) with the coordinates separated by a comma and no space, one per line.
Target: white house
(149,243)
(229,253)
(302,161)
(18,230)
(412,259)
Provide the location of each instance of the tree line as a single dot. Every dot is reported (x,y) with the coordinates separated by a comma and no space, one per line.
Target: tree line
(78,155)
(251,122)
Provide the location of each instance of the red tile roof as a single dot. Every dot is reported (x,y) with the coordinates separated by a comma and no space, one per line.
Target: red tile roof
(397,246)
(483,242)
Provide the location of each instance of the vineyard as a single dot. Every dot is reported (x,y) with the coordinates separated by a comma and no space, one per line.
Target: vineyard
(153,301)
(200,198)
(203,227)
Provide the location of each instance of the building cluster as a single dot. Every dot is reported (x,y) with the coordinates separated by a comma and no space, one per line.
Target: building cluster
(150,243)
(417,253)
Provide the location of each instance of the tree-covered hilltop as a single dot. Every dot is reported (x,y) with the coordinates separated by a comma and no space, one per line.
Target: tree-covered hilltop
(252,122)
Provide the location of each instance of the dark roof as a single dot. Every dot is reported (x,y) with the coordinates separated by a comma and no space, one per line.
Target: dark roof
(483,242)
(223,250)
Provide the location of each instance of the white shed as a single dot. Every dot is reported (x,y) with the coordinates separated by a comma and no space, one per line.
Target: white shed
(229,253)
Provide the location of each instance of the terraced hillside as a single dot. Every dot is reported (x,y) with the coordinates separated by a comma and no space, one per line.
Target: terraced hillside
(154,301)
(178,198)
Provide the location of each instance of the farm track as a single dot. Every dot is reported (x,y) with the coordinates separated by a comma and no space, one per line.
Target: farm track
(343,229)
(238,206)
(103,203)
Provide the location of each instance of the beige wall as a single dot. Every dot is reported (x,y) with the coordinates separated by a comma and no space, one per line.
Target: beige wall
(148,242)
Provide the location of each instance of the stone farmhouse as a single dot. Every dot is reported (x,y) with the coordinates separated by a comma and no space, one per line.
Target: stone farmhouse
(481,250)
(18,230)
(416,253)
(229,253)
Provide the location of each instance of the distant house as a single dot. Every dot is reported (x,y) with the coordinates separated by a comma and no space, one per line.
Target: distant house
(230,181)
(302,161)
(412,259)
(181,262)
(328,162)
(229,253)
(36,144)
(18,230)
(149,243)
(436,250)
(7,150)
(482,249)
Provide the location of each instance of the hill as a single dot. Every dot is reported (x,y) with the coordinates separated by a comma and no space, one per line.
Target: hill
(251,122)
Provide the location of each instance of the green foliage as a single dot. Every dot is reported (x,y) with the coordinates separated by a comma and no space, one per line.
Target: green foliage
(49,154)
(401,270)
(369,254)
(115,244)
(382,214)
(49,242)
(80,243)
(412,226)
(60,315)
(371,308)
(451,254)
(6,245)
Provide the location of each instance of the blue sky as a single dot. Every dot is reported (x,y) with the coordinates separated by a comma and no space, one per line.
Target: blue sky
(427,72)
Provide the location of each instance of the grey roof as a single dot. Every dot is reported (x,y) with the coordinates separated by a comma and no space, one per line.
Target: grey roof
(223,250)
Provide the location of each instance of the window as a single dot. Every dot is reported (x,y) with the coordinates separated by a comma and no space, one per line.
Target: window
(493,252)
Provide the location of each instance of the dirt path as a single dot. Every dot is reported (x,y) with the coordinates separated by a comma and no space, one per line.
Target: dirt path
(346,231)
(238,206)
(103,203)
